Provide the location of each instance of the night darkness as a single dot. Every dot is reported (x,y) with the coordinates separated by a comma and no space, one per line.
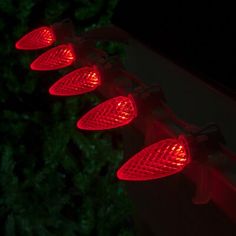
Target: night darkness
(197,35)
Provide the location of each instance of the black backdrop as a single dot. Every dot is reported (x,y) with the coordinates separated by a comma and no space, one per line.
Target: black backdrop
(197,36)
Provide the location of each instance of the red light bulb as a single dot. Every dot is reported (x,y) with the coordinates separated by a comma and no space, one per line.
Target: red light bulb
(55,58)
(77,82)
(113,113)
(158,160)
(36,39)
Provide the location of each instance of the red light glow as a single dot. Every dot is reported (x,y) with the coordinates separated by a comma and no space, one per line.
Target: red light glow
(39,38)
(158,160)
(113,113)
(77,82)
(55,58)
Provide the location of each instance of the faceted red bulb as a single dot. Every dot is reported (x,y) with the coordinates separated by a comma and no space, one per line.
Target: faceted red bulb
(77,82)
(55,58)
(39,38)
(113,113)
(158,160)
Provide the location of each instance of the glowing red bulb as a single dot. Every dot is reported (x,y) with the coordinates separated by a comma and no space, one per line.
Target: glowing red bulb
(113,113)
(55,58)
(39,38)
(158,160)
(77,82)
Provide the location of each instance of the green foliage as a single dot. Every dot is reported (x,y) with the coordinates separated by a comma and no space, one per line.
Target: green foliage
(54,179)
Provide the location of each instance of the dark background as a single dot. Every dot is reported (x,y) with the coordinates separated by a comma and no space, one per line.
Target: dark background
(196,35)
